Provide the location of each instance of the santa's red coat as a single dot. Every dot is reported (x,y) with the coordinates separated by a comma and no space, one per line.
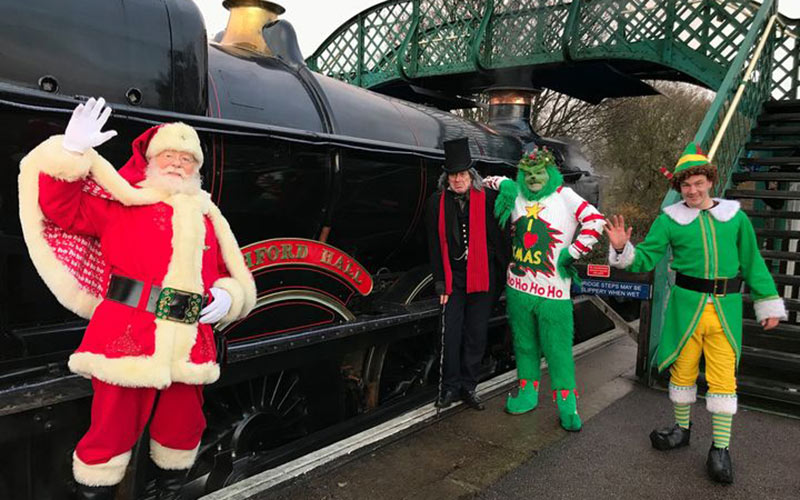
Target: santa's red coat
(174,242)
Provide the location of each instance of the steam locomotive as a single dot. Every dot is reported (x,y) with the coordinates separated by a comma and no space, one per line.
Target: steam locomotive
(324,184)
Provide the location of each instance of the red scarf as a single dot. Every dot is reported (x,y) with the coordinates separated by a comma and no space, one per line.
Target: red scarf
(477,255)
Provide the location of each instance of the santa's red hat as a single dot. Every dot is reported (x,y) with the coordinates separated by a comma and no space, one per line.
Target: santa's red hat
(170,136)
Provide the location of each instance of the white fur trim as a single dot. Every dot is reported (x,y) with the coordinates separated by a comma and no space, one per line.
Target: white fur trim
(721,403)
(682,394)
(624,259)
(109,179)
(41,159)
(770,308)
(171,458)
(178,137)
(233,288)
(725,209)
(106,474)
(683,214)
(234,260)
(52,159)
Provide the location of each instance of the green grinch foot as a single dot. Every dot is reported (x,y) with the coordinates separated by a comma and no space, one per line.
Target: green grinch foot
(526,399)
(568,409)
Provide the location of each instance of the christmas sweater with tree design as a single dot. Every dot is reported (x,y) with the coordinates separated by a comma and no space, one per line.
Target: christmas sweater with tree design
(541,229)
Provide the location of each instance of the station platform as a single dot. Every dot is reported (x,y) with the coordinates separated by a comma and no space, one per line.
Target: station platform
(464,453)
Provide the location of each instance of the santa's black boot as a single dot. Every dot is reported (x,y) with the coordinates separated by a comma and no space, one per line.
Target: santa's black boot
(169,483)
(84,492)
(670,438)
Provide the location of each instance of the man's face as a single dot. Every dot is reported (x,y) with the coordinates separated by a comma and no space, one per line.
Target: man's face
(535,177)
(696,190)
(459,182)
(176,164)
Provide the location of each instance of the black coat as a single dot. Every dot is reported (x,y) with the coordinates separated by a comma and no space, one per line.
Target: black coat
(497,243)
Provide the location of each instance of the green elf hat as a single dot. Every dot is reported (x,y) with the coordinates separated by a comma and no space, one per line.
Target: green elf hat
(536,159)
(692,156)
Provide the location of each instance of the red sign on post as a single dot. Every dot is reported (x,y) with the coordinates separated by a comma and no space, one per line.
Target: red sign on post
(598,271)
(312,253)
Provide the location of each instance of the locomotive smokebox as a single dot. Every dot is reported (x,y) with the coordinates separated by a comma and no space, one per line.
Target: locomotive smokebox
(247,22)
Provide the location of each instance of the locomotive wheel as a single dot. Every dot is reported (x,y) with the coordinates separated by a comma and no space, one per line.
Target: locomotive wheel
(396,370)
(249,419)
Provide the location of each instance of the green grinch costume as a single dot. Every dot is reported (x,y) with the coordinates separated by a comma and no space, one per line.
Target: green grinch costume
(710,249)
(545,218)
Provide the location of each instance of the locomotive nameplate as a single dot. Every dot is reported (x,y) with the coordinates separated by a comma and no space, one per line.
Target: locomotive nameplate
(295,251)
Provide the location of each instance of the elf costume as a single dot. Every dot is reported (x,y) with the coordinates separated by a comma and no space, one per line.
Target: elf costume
(138,262)
(545,216)
(710,249)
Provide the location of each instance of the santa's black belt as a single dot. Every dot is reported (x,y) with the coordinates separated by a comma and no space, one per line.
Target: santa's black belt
(719,286)
(166,303)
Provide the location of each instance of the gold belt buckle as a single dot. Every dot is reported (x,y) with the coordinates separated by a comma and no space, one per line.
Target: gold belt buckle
(724,282)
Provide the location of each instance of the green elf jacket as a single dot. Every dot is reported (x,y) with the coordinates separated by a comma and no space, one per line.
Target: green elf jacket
(716,243)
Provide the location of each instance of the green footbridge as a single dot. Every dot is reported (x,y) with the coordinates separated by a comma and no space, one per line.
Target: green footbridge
(436,51)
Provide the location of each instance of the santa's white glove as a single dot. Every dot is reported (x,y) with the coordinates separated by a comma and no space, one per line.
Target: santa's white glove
(218,308)
(84,127)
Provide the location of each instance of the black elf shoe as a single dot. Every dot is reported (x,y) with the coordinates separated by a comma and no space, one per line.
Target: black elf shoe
(719,466)
(669,438)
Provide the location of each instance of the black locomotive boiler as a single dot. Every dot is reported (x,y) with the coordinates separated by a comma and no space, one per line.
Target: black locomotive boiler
(322,182)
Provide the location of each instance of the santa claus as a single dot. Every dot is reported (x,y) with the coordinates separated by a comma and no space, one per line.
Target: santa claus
(150,259)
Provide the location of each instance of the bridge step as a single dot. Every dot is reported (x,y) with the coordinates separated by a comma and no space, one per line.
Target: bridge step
(766,176)
(773,161)
(762,194)
(777,130)
(772,214)
(774,360)
(772,145)
(778,255)
(768,390)
(783,338)
(787,106)
(779,117)
(777,233)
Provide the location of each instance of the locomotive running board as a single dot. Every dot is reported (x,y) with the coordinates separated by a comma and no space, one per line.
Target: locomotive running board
(263,481)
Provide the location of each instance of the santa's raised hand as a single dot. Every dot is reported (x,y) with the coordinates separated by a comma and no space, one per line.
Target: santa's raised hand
(84,130)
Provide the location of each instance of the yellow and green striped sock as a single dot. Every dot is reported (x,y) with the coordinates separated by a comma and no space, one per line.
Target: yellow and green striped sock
(721,424)
(682,414)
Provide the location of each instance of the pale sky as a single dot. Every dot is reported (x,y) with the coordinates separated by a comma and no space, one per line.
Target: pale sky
(314,20)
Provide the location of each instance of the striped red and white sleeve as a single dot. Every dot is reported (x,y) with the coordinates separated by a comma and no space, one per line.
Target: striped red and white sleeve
(590,219)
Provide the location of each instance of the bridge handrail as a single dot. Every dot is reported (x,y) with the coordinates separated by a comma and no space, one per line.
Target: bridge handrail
(726,127)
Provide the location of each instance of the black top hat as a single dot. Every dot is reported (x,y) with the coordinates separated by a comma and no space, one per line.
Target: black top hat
(457,156)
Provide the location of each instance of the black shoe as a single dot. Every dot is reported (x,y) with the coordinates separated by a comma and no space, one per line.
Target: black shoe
(84,492)
(169,483)
(669,438)
(719,466)
(472,400)
(446,398)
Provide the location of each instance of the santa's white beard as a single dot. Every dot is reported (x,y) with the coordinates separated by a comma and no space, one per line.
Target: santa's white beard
(173,184)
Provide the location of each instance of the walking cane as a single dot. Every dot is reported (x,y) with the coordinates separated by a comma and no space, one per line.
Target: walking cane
(441,359)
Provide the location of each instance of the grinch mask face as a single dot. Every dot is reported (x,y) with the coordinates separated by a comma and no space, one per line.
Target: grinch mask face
(535,176)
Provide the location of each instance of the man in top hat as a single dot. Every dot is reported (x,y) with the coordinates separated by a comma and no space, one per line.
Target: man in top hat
(466,250)
(150,259)
(712,241)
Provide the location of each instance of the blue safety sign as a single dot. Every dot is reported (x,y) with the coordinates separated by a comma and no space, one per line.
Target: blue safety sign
(628,290)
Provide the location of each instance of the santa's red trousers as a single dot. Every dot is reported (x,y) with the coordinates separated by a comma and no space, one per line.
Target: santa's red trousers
(119,415)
